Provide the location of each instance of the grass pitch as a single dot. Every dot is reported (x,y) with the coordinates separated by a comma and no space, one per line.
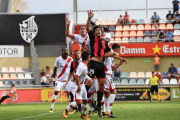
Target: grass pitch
(124,111)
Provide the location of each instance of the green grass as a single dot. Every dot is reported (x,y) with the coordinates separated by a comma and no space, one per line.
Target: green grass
(124,111)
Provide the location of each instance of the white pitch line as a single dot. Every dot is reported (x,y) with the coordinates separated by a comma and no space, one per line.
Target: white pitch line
(35,116)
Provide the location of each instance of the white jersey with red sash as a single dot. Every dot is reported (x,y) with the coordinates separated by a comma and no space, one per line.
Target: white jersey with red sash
(63,66)
(106,35)
(82,40)
(108,64)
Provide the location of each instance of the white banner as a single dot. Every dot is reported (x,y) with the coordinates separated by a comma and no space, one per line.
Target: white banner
(11,51)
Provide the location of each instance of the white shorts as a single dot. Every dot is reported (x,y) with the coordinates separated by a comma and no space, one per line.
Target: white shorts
(109,84)
(73,87)
(94,88)
(59,85)
(81,95)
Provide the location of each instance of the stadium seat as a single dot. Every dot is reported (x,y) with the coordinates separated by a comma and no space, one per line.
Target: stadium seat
(177,26)
(173,81)
(153,39)
(162,26)
(153,27)
(112,34)
(13,77)
(105,22)
(132,40)
(125,75)
(29,82)
(6,77)
(132,81)
(163,32)
(140,27)
(176,32)
(165,81)
(21,76)
(119,28)
(141,75)
(1,84)
(162,21)
(139,39)
(7,83)
(147,27)
(164,74)
(116,80)
(169,26)
(125,34)
(28,76)
(126,27)
(117,40)
(177,38)
(112,22)
(125,40)
(1,77)
(154,33)
(133,27)
(118,34)
(22,83)
(148,21)
(140,33)
(135,22)
(19,70)
(112,28)
(147,33)
(5,70)
(133,75)
(124,81)
(12,70)
(147,81)
(16,83)
(148,74)
(98,22)
(141,21)
(147,39)
(132,33)
(140,81)
(112,39)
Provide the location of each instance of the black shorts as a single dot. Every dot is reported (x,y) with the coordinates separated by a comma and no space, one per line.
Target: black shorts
(154,88)
(96,69)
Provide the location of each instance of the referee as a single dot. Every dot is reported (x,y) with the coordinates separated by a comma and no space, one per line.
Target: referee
(154,80)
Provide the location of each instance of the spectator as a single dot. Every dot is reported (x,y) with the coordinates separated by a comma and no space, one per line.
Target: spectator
(160,36)
(172,72)
(126,18)
(42,73)
(155,19)
(169,36)
(117,72)
(45,81)
(160,77)
(170,17)
(49,72)
(93,21)
(12,91)
(175,6)
(177,18)
(120,20)
(156,62)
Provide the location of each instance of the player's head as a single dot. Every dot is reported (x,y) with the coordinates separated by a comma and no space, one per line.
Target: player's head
(97,30)
(82,30)
(12,85)
(86,49)
(78,54)
(103,28)
(64,51)
(115,47)
(152,74)
(85,56)
(75,52)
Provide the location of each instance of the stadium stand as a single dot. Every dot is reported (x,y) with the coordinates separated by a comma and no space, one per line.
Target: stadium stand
(132,81)
(124,81)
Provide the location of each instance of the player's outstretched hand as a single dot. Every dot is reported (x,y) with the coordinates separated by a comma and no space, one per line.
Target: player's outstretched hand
(68,22)
(78,89)
(125,61)
(90,13)
(121,62)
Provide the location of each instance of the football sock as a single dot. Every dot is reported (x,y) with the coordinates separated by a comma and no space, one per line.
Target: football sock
(151,97)
(103,105)
(71,106)
(158,97)
(83,108)
(53,101)
(110,102)
(100,95)
(90,104)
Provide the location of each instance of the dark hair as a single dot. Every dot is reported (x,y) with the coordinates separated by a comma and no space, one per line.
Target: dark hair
(76,50)
(12,84)
(47,67)
(115,45)
(64,48)
(82,26)
(152,72)
(85,55)
(94,28)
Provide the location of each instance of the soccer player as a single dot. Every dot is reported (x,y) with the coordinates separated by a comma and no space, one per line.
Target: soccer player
(11,93)
(153,81)
(63,64)
(110,91)
(82,38)
(80,96)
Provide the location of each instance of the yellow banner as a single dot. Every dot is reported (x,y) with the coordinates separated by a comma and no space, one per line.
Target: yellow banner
(47,94)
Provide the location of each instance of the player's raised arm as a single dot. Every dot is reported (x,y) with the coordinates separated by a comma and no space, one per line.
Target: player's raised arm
(68,22)
(116,66)
(88,24)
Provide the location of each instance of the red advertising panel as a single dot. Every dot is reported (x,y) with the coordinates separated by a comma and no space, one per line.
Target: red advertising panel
(145,49)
